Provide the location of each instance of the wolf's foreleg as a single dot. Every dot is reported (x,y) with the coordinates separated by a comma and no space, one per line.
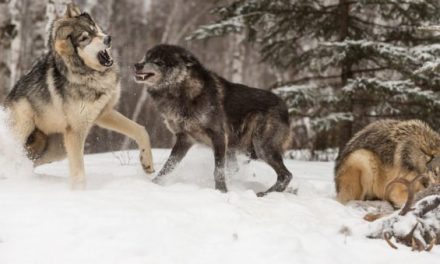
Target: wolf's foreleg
(180,148)
(74,144)
(219,144)
(115,121)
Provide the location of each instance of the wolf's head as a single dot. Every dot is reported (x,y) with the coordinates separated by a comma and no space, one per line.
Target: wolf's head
(433,167)
(165,65)
(79,40)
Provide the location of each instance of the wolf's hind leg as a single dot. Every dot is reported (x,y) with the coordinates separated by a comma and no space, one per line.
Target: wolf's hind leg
(268,143)
(54,150)
(115,121)
(21,120)
(36,145)
(356,177)
(275,160)
(349,185)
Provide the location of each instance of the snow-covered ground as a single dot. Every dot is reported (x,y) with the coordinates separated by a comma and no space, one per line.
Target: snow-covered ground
(124,218)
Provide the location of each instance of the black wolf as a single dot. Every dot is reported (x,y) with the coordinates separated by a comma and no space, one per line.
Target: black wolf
(200,106)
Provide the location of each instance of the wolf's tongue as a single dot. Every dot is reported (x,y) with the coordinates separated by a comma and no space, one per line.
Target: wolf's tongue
(105,59)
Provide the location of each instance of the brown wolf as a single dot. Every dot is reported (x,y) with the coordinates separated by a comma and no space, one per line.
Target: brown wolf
(381,152)
(200,106)
(72,87)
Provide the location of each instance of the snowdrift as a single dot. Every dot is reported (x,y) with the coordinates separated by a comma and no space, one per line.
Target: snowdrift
(13,162)
(124,218)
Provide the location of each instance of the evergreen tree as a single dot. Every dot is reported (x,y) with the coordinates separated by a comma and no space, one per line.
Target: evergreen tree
(352,61)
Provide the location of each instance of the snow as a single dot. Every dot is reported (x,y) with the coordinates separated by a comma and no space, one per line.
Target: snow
(12,158)
(234,25)
(124,218)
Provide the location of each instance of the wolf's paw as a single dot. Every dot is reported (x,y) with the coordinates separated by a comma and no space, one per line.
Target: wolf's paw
(221,186)
(158,180)
(146,161)
(148,168)
(78,185)
(292,190)
(261,194)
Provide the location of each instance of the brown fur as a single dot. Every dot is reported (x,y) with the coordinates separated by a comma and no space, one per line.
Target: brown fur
(381,152)
(62,47)
(72,87)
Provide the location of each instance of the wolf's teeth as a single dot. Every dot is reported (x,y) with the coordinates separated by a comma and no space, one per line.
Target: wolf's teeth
(105,58)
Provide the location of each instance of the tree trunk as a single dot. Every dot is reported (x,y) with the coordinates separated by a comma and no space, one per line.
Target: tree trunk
(346,127)
(32,34)
(238,56)
(135,26)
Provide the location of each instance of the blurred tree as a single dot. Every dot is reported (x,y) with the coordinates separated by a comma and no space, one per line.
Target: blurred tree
(135,26)
(353,60)
(338,64)
(8,31)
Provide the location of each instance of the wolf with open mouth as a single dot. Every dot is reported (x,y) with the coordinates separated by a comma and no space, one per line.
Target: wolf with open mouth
(73,86)
(199,106)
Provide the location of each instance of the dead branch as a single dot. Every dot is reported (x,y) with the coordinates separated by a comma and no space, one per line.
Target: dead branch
(421,212)
(410,186)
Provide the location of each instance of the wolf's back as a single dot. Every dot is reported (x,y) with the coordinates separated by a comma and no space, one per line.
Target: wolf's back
(382,138)
(33,85)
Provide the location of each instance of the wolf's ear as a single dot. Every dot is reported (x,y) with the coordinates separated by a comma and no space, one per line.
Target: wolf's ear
(189,59)
(72,11)
(63,41)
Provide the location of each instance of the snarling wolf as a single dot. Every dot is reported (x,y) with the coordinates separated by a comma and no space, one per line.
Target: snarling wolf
(383,152)
(73,86)
(200,106)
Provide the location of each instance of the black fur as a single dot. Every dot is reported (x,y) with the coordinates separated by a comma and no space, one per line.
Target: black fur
(200,106)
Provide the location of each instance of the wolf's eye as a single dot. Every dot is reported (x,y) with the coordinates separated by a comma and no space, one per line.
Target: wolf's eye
(159,63)
(83,38)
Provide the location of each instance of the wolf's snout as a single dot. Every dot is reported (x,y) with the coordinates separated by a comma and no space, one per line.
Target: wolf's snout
(138,66)
(145,72)
(143,76)
(108,40)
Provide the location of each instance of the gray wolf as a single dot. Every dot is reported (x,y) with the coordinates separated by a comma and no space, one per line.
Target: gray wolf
(200,106)
(382,152)
(73,86)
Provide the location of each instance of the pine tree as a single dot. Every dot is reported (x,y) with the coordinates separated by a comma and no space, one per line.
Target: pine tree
(352,61)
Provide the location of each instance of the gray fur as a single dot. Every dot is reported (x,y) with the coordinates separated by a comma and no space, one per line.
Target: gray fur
(73,86)
(413,143)
(200,106)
